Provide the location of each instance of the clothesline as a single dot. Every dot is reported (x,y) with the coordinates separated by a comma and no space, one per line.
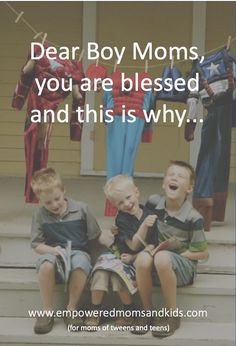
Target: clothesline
(43,35)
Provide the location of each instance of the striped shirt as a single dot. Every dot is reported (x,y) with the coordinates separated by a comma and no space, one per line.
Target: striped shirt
(186,225)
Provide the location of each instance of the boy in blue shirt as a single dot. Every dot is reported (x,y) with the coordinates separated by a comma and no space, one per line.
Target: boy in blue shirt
(56,221)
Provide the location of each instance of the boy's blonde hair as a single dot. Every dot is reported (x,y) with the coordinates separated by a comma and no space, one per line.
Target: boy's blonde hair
(187,166)
(117,184)
(46,179)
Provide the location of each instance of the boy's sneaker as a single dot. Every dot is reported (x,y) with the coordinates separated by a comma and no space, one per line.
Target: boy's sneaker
(165,326)
(124,321)
(43,325)
(76,322)
(141,325)
(92,321)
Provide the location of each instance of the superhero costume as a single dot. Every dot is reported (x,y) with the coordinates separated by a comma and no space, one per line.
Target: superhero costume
(212,171)
(123,137)
(172,95)
(36,135)
(78,102)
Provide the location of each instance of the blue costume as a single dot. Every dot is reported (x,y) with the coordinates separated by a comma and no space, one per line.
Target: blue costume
(124,136)
(216,93)
(173,95)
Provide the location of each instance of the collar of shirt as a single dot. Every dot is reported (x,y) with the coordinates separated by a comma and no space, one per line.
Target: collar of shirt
(72,207)
(182,213)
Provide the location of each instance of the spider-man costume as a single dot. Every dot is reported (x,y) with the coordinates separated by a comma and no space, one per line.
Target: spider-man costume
(36,135)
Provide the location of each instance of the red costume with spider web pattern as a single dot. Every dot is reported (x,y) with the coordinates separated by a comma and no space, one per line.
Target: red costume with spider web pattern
(36,135)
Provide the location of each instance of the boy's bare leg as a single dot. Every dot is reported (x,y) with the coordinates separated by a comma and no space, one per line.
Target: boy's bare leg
(144,264)
(162,262)
(76,286)
(125,297)
(168,280)
(97,296)
(46,277)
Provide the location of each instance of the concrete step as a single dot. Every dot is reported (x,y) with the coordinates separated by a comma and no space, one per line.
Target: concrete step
(16,220)
(15,251)
(213,293)
(221,259)
(19,331)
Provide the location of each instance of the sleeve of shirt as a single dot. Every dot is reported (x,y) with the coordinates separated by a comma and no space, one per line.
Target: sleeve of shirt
(37,236)
(192,100)
(192,108)
(198,240)
(93,228)
(124,228)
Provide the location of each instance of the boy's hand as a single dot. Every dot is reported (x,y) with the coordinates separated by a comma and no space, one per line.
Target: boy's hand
(174,243)
(58,250)
(106,238)
(149,248)
(150,220)
(195,256)
(114,230)
(127,258)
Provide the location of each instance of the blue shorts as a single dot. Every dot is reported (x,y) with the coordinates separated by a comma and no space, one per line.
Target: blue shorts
(184,270)
(79,259)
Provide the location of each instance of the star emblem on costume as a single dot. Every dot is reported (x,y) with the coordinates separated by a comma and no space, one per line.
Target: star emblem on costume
(213,69)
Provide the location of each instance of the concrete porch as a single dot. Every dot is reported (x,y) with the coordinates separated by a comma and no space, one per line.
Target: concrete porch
(214,289)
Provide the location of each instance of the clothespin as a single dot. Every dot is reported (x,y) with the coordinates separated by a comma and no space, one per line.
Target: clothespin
(37,35)
(146,66)
(97,61)
(19,16)
(81,54)
(44,37)
(172,63)
(228,42)
(115,66)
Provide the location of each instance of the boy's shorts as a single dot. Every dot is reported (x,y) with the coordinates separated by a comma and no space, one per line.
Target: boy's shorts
(79,259)
(104,280)
(184,270)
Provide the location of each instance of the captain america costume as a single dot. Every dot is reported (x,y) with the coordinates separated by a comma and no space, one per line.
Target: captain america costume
(37,135)
(212,171)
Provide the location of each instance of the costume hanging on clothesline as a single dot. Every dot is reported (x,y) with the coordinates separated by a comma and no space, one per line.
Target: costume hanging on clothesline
(124,136)
(96,71)
(212,171)
(36,135)
(78,101)
(173,95)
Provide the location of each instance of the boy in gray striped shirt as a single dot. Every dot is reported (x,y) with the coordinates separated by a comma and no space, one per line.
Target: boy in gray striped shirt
(178,221)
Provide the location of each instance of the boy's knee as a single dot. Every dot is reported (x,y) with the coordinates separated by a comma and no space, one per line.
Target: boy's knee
(100,280)
(143,261)
(116,284)
(162,261)
(78,274)
(47,268)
